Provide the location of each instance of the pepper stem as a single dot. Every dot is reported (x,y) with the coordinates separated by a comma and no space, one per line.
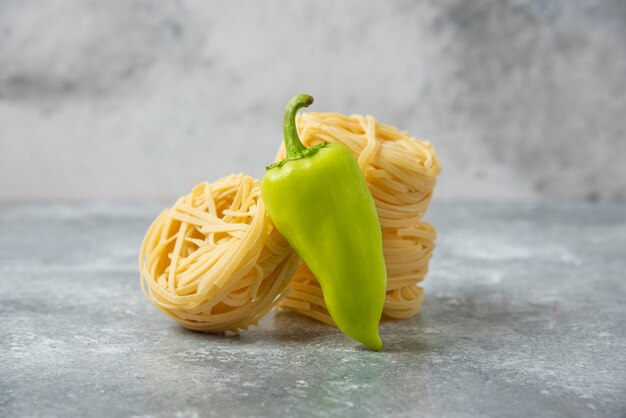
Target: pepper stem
(295,148)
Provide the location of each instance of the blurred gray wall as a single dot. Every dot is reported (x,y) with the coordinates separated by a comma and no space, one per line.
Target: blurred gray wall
(140,100)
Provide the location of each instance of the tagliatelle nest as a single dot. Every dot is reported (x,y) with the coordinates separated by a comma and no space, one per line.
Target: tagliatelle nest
(401,172)
(214,261)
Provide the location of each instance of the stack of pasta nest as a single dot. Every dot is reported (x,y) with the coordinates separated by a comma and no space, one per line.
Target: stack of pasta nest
(214,262)
(401,173)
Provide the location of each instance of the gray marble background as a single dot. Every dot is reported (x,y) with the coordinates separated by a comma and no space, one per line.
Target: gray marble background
(139,100)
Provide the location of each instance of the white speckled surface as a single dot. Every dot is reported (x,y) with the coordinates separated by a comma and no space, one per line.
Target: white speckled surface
(524,316)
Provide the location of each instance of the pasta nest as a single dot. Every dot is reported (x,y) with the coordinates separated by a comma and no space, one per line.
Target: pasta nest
(214,261)
(401,173)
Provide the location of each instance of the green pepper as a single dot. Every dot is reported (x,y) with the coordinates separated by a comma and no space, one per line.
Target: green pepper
(319,201)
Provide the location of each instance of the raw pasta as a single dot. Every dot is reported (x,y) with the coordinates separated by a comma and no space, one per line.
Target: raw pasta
(214,261)
(401,173)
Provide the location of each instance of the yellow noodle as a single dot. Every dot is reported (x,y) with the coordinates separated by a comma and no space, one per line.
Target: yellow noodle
(214,262)
(401,173)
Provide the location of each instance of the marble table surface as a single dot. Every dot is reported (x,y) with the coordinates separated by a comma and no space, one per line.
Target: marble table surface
(525,316)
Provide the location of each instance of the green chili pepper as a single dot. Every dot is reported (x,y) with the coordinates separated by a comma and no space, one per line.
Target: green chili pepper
(319,201)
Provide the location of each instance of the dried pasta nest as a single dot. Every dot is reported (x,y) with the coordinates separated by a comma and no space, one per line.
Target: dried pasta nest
(401,173)
(214,261)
